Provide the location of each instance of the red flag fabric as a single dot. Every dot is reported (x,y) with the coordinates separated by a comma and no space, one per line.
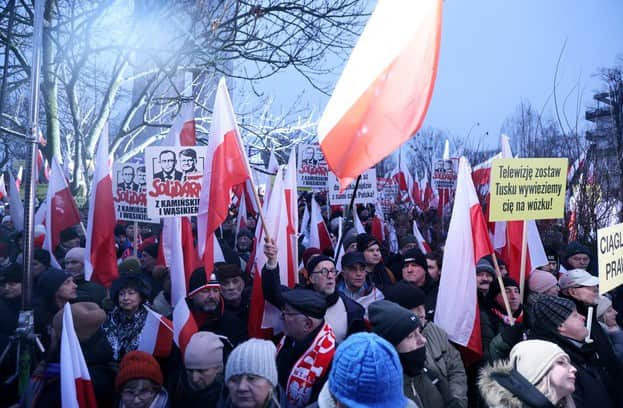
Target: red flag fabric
(227,167)
(62,211)
(184,325)
(421,242)
(76,387)
(383,93)
(156,337)
(318,233)
(100,263)
(457,303)
(179,254)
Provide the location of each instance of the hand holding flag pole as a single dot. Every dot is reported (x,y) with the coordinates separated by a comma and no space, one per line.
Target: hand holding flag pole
(498,275)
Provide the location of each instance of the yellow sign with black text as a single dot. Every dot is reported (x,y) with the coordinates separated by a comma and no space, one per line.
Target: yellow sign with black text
(527,189)
(610,257)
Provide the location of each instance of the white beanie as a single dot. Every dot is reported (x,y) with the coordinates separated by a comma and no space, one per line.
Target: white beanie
(602,306)
(533,358)
(76,253)
(255,357)
(204,350)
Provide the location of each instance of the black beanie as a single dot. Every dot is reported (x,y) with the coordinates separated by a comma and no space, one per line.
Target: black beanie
(365,241)
(391,321)
(12,273)
(549,312)
(49,282)
(199,281)
(68,234)
(415,255)
(42,256)
(494,290)
(152,250)
(574,248)
(312,263)
(405,294)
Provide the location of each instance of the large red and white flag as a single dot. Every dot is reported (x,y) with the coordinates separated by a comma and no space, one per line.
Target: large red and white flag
(319,236)
(62,211)
(179,254)
(382,96)
(457,302)
(404,180)
(421,242)
(156,337)
(184,325)
(377,224)
(100,263)
(263,316)
(228,166)
(76,387)
(16,207)
(290,192)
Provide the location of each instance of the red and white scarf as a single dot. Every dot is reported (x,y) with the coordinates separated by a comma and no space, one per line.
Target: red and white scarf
(310,367)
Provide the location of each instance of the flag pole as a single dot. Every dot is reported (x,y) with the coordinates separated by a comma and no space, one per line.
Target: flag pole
(349,209)
(524,245)
(498,275)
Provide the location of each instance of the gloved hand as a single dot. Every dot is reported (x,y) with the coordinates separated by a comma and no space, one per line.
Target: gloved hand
(513,334)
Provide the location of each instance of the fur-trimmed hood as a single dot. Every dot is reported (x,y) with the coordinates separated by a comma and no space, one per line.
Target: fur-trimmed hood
(501,386)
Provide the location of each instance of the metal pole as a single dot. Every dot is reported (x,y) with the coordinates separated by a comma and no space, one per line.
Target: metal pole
(348,211)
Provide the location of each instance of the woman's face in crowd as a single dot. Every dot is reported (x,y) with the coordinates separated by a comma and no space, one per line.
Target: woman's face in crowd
(129,300)
(372,254)
(248,391)
(562,376)
(139,393)
(610,317)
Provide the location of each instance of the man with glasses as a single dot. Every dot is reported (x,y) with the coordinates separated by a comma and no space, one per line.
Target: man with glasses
(343,314)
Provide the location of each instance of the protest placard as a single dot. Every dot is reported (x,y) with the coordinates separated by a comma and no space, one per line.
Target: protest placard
(610,257)
(366,191)
(387,188)
(130,192)
(444,174)
(174,177)
(527,189)
(312,168)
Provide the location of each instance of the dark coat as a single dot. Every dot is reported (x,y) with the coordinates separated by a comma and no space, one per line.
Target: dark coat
(183,396)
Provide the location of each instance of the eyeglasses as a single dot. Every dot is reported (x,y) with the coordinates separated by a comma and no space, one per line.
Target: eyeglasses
(141,394)
(325,272)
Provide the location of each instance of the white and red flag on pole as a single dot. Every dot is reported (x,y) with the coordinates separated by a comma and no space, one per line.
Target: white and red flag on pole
(184,325)
(182,131)
(100,263)
(457,303)
(62,211)
(19,178)
(76,387)
(156,337)
(16,207)
(3,192)
(318,232)
(227,167)
(421,242)
(264,318)
(290,191)
(383,93)
(357,222)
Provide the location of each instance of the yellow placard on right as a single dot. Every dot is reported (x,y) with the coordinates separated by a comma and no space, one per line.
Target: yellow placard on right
(527,189)
(610,257)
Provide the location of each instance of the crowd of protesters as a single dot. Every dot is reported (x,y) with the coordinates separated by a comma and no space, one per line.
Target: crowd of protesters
(358,333)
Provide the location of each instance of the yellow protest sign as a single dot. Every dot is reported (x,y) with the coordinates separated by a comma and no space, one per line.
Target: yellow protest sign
(527,189)
(610,257)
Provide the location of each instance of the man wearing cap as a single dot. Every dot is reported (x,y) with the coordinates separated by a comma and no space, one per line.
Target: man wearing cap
(371,249)
(582,289)
(577,256)
(236,294)
(200,383)
(244,244)
(441,357)
(207,306)
(415,271)
(355,282)
(343,313)
(69,239)
(305,351)
(87,291)
(485,274)
(556,320)
(403,330)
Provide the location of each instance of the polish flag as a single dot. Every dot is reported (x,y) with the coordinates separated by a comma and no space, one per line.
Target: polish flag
(3,192)
(16,207)
(182,131)
(304,227)
(290,191)
(264,318)
(19,178)
(178,254)
(427,192)
(357,223)
(62,211)
(383,93)
(241,219)
(156,337)
(403,178)
(421,242)
(468,240)
(76,387)
(184,325)
(100,262)
(228,167)
(318,233)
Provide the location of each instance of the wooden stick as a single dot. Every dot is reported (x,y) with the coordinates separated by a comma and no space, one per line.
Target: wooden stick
(498,274)
(134,243)
(524,252)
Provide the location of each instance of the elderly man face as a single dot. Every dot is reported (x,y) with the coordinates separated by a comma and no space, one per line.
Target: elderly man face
(127,174)
(75,266)
(323,277)
(579,261)
(167,161)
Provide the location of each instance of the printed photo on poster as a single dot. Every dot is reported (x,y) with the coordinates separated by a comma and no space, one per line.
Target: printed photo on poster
(312,170)
(129,192)
(174,177)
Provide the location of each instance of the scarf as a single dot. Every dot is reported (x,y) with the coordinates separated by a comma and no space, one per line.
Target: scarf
(504,317)
(123,332)
(310,367)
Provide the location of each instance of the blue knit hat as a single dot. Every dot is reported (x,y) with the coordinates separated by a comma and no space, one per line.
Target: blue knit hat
(367,373)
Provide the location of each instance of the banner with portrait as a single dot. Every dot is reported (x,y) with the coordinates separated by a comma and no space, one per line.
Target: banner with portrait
(130,192)
(312,169)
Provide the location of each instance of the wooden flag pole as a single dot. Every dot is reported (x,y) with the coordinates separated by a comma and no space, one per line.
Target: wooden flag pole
(134,241)
(524,251)
(498,274)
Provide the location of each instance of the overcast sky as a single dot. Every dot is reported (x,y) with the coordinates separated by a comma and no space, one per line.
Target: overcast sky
(494,53)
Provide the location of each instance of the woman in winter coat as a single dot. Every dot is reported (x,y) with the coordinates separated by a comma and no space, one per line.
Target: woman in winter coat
(125,322)
(607,317)
(539,374)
